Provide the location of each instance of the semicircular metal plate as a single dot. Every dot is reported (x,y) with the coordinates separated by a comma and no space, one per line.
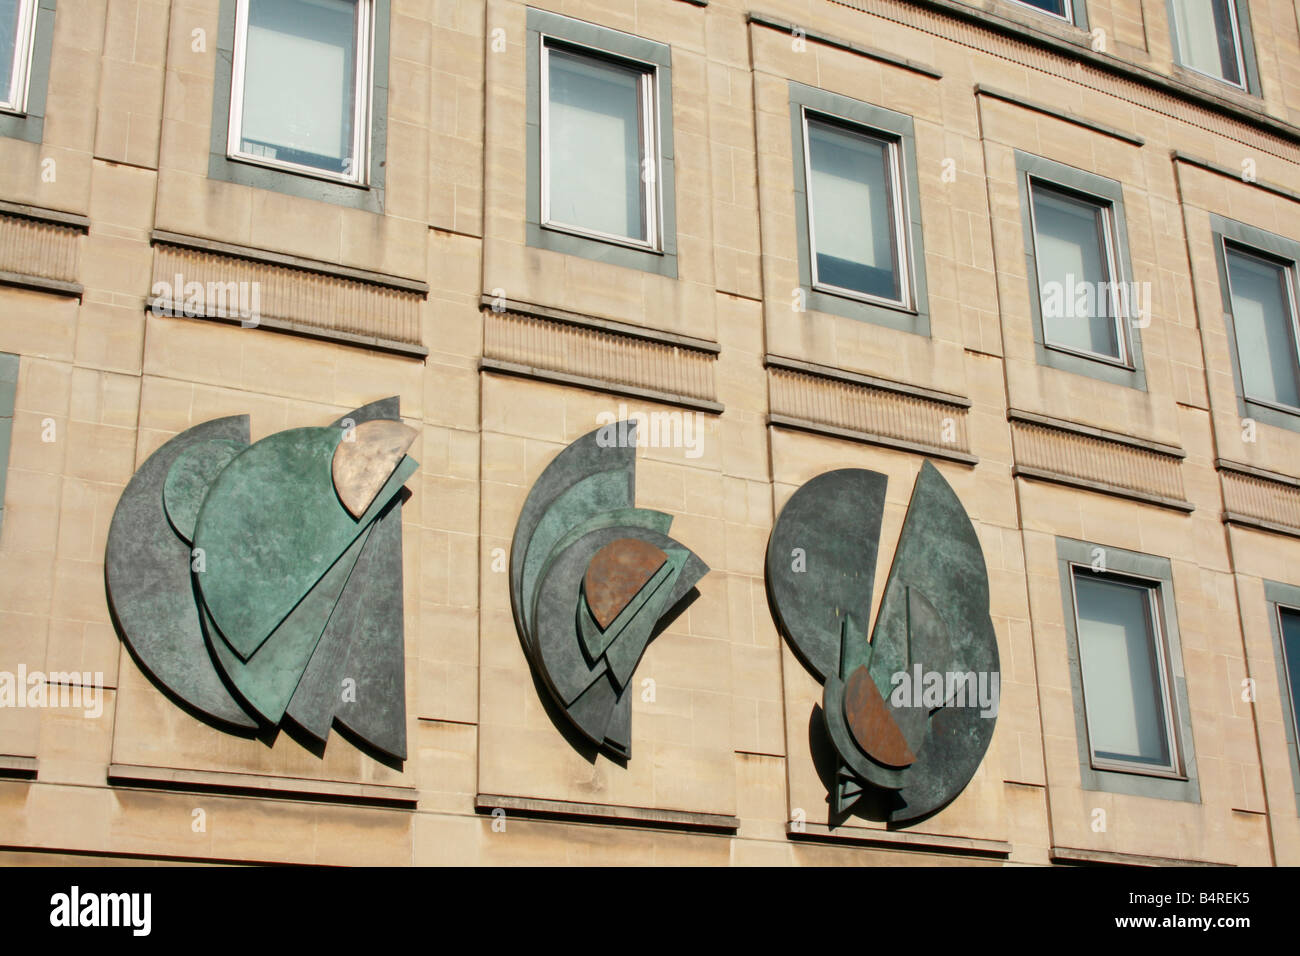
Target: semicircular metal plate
(270,527)
(560,654)
(147,571)
(871,721)
(821,562)
(190,477)
(587,456)
(364,460)
(934,613)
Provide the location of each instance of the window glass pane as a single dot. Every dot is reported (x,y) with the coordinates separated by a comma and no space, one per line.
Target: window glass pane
(1291,646)
(1125,703)
(1262,320)
(1074,273)
(595,145)
(299,82)
(1207,38)
(853,211)
(1051,6)
(10,14)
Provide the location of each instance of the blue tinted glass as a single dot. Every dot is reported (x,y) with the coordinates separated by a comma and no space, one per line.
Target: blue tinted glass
(1262,320)
(594,136)
(10,13)
(1291,644)
(1207,38)
(1074,274)
(300,82)
(1056,7)
(853,213)
(1121,675)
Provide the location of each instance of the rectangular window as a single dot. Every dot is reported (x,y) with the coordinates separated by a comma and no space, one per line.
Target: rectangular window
(856,224)
(1086,310)
(1262,292)
(599,144)
(17,32)
(1057,8)
(1126,688)
(1288,620)
(300,94)
(1078,283)
(1283,602)
(1207,36)
(857,209)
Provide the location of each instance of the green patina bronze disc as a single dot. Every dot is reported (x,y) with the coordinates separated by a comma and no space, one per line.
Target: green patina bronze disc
(268,680)
(270,527)
(190,477)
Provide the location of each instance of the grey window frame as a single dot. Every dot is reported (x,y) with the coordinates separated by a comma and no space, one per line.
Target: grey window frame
(1279,597)
(366,193)
(26,120)
(1240,11)
(1076,12)
(1112,777)
(8,391)
(654,59)
(912,314)
(897,186)
(1113,272)
(1107,192)
(1253,240)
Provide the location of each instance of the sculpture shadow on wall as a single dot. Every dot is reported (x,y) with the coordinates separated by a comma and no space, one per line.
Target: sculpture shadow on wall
(873,805)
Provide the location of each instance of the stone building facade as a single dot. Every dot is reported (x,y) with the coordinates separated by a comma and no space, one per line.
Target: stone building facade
(434,264)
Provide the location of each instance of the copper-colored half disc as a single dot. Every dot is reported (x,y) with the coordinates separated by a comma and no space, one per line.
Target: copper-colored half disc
(615,575)
(365,460)
(872,722)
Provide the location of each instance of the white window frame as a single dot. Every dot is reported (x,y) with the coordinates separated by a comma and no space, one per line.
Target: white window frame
(1068,17)
(24,42)
(1152,587)
(1288,266)
(363,85)
(1291,690)
(898,197)
(648,106)
(1237,45)
(1115,275)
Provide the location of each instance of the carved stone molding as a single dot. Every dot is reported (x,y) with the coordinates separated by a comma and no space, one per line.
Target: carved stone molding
(1259,499)
(39,248)
(572,349)
(861,408)
(1084,457)
(301,296)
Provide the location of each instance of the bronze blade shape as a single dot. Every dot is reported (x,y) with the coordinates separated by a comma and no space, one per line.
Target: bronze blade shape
(364,461)
(871,720)
(617,574)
